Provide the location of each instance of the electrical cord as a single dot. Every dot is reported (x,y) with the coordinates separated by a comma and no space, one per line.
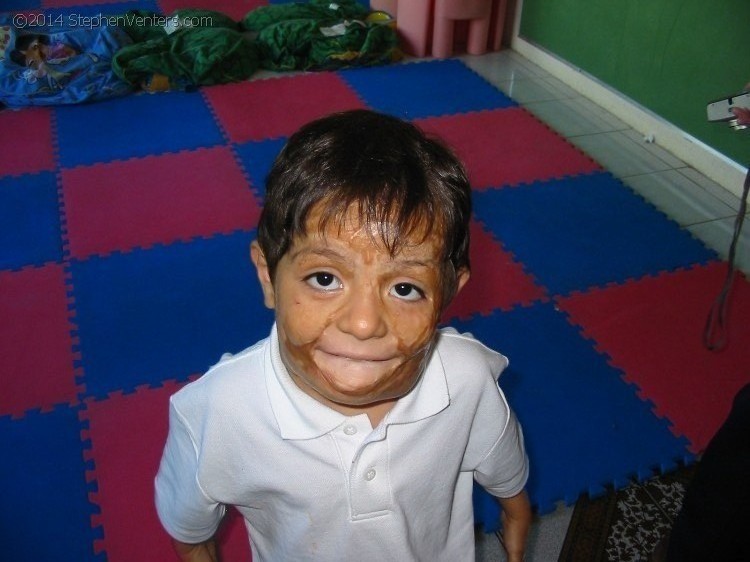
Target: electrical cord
(715,334)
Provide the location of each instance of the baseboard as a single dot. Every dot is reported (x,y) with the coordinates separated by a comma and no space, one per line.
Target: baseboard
(695,153)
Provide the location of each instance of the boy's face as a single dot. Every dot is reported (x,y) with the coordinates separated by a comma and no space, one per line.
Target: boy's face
(35,54)
(355,323)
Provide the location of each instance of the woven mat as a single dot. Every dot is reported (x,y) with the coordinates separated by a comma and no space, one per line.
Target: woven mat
(626,525)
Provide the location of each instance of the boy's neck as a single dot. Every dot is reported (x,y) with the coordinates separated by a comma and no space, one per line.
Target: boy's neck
(376,412)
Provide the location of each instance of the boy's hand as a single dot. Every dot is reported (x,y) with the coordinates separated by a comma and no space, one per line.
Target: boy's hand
(201,552)
(516,518)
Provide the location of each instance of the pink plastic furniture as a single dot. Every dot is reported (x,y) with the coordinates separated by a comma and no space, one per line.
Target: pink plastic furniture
(497,28)
(447,12)
(413,22)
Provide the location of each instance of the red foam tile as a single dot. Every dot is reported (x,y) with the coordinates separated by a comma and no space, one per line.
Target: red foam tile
(497,281)
(36,345)
(73,3)
(233,8)
(507,147)
(29,149)
(127,435)
(157,199)
(277,107)
(652,330)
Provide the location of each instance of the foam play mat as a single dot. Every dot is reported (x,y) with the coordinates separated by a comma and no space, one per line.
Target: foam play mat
(125,227)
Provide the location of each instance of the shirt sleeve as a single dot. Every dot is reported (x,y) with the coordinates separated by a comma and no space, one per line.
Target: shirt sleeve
(184,509)
(503,472)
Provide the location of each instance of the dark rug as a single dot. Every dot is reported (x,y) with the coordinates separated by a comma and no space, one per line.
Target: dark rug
(625,526)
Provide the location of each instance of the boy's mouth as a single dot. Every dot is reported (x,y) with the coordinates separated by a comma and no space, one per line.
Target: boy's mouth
(357,357)
(356,366)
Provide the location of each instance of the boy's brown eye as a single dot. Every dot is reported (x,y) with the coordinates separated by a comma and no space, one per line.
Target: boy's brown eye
(407,291)
(323,281)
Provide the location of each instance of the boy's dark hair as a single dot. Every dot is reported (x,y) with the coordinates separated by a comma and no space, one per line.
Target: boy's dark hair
(18,57)
(400,179)
(22,43)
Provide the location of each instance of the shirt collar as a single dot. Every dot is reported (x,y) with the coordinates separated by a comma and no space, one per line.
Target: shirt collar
(300,416)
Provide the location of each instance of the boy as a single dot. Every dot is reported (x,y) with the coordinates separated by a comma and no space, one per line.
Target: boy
(355,431)
(35,50)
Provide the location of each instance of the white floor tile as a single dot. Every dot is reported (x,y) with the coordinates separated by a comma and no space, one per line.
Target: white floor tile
(488,548)
(502,65)
(670,159)
(546,537)
(718,236)
(520,82)
(619,154)
(536,89)
(679,197)
(712,187)
(575,117)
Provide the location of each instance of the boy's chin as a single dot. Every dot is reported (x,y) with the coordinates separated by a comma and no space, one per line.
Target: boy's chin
(350,396)
(365,398)
(365,383)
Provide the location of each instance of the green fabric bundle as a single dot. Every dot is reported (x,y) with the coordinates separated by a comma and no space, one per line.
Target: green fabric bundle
(320,35)
(210,49)
(204,47)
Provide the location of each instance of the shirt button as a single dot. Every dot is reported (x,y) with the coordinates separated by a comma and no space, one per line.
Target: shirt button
(370,474)
(350,429)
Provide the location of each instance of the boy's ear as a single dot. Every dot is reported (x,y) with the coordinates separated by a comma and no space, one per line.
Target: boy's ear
(264,275)
(462,277)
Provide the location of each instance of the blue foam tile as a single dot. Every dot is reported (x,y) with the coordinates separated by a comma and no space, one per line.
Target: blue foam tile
(257,158)
(45,513)
(134,126)
(20,6)
(578,232)
(29,221)
(425,89)
(583,425)
(166,312)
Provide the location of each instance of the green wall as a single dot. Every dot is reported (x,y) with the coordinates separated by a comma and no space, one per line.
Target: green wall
(671,56)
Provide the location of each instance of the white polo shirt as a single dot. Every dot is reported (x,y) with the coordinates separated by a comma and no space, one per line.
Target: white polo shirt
(314,484)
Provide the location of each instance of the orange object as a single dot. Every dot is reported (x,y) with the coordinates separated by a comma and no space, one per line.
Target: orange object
(384,6)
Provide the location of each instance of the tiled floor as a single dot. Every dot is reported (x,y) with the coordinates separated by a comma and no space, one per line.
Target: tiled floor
(694,201)
(544,544)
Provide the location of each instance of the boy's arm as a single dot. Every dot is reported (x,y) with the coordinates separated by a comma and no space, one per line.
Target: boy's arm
(182,505)
(516,522)
(201,552)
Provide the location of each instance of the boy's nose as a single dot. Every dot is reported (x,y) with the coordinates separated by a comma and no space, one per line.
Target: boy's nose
(362,315)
